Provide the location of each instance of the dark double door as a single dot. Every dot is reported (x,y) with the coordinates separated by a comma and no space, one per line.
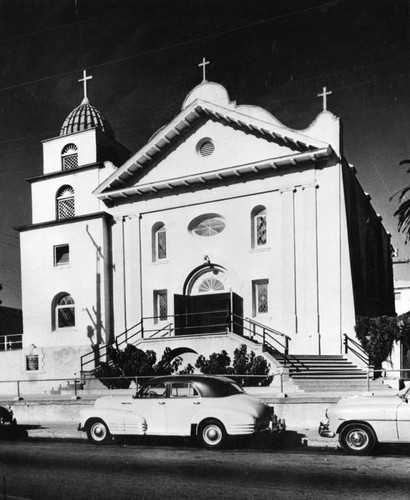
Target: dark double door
(208,313)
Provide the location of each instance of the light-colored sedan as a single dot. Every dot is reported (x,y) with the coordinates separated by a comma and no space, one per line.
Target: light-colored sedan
(204,407)
(363,421)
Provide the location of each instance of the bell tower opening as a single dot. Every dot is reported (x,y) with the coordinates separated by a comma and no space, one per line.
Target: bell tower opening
(208,303)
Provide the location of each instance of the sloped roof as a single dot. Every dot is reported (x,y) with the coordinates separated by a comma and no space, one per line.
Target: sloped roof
(305,148)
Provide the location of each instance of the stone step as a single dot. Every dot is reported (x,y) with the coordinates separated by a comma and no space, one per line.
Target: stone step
(326,376)
(326,369)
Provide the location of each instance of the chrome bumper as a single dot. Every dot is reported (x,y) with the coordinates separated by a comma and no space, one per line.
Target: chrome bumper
(278,424)
(324,431)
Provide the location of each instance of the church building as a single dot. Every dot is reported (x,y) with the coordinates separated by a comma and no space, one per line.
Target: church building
(226,225)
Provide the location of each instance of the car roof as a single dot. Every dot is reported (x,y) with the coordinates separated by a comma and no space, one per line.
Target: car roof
(209,385)
(195,377)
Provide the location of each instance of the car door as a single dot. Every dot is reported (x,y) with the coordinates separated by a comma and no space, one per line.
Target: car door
(151,404)
(403,421)
(183,402)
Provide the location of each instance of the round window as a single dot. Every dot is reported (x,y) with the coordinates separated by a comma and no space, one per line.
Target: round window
(207,225)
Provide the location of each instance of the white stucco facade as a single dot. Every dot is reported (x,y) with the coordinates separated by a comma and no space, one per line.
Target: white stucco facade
(223,201)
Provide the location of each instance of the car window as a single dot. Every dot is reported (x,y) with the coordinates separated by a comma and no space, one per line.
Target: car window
(405,392)
(154,390)
(183,390)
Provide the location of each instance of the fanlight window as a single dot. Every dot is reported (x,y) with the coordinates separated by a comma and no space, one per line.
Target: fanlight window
(65,203)
(209,281)
(207,225)
(211,285)
(65,312)
(69,157)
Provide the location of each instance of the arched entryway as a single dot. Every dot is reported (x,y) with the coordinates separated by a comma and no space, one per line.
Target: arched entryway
(208,303)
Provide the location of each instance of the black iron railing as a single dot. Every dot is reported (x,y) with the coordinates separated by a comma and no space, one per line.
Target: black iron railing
(210,322)
(11,342)
(351,346)
(272,340)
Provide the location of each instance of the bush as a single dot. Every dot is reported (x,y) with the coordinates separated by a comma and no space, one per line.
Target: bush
(217,364)
(244,363)
(377,336)
(134,362)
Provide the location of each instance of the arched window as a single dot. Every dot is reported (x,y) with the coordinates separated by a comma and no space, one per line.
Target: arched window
(159,241)
(69,157)
(63,311)
(259,227)
(65,203)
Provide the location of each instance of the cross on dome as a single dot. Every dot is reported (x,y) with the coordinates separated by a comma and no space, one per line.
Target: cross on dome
(84,80)
(324,95)
(204,63)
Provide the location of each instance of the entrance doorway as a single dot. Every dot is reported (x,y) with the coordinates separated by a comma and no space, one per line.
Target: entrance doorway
(208,305)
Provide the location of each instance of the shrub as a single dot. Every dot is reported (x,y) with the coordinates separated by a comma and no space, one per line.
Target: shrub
(378,335)
(217,363)
(134,362)
(244,363)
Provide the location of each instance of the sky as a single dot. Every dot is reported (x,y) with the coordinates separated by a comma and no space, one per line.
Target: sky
(144,55)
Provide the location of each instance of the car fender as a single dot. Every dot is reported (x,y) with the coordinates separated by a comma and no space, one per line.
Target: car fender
(381,419)
(235,422)
(118,421)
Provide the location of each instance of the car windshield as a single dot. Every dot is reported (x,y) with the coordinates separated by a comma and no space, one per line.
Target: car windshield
(405,392)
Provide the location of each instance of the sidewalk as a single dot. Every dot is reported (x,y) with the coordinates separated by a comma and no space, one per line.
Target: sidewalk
(64,430)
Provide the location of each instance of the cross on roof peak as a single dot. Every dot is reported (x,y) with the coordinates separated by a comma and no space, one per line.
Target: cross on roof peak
(84,80)
(324,95)
(204,63)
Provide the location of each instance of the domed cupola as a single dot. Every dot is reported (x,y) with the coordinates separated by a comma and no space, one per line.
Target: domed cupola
(84,117)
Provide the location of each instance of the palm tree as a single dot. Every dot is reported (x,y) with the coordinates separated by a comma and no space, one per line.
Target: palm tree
(403,211)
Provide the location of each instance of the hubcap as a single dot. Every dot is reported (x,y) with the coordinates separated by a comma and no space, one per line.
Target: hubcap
(212,434)
(357,439)
(98,431)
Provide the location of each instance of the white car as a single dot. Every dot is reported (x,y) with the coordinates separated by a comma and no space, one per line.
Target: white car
(364,421)
(204,407)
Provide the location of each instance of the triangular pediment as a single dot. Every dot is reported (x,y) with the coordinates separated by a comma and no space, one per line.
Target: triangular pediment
(238,144)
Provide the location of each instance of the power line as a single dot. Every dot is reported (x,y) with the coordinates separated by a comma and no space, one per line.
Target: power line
(9,244)
(75,23)
(175,45)
(9,235)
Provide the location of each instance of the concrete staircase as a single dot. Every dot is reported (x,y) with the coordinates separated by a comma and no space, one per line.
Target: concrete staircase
(330,374)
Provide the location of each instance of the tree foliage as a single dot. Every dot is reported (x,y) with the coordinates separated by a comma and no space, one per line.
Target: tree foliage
(403,211)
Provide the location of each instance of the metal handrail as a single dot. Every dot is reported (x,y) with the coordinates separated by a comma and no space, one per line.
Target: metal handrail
(357,349)
(76,381)
(270,338)
(267,335)
(11,342)
(267,328)
(139,327)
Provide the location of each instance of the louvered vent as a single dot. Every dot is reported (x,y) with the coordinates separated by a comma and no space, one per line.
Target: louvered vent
(206,148)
